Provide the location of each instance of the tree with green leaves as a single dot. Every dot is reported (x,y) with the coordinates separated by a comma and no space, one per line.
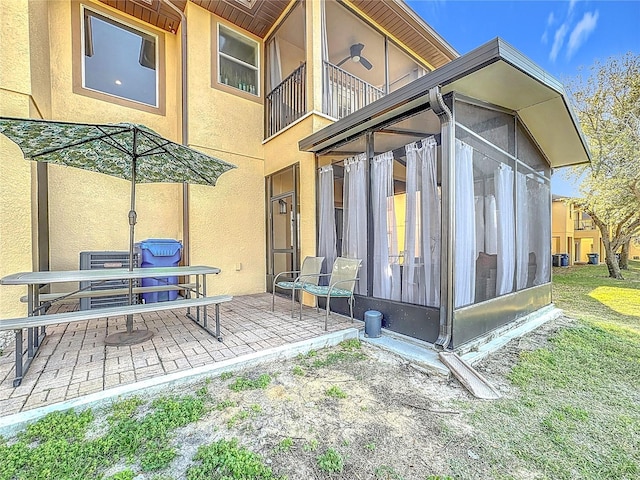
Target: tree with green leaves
(608,106)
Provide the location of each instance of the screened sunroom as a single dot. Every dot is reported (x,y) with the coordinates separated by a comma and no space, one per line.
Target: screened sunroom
(442,188)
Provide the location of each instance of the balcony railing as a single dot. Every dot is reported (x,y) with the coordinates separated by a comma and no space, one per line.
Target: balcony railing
(287,102)
(584,225)
(345,93)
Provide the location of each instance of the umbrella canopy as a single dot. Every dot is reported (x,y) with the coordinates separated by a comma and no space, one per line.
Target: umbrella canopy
(124,150)
(129,151)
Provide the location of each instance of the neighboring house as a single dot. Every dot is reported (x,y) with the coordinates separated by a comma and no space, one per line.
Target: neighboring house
(356,129)
(575,233)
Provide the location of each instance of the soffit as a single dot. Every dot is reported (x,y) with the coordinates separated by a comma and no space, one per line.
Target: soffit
(404,24)
(255,16)
(153,12)
(542,109)
(259,16)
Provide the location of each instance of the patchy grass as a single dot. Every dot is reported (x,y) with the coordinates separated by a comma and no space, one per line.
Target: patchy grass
(335,392)
(347,352)
(284,446)
(577,411)
(58,446)
(244,383)
(225,459)
(331,461)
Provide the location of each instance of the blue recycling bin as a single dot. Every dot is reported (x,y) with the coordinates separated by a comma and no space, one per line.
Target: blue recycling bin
(564,261)
(594,258)
(159,252)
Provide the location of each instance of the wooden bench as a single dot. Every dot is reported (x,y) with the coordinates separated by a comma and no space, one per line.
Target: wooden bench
(36,324)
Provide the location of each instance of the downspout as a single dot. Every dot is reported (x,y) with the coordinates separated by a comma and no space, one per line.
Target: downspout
(186,251)
(447,128)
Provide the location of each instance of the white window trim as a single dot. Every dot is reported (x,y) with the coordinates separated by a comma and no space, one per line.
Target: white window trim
(236,60)
(83,9)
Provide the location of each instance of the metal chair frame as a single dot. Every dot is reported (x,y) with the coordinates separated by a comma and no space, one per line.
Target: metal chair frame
(296,282)
(328,295)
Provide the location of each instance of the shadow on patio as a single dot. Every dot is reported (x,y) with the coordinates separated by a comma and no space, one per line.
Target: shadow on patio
(73,360)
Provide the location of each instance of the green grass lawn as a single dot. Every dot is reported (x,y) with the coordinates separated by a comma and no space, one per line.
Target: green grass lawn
(577,413)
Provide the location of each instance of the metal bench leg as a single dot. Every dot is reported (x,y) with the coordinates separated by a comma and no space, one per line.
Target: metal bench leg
(204,293)
(30,352)
(18,380)
(218,336)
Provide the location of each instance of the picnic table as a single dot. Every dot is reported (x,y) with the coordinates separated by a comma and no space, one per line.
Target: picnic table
(38,319)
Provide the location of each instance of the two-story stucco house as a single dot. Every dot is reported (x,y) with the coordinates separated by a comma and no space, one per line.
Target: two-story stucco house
(437,165)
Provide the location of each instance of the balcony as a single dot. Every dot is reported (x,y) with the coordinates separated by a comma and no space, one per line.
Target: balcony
(287,102)
(346,93)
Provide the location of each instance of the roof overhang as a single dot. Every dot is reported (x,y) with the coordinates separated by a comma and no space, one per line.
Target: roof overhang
(495,73)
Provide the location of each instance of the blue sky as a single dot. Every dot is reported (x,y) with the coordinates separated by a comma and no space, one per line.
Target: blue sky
(560,36)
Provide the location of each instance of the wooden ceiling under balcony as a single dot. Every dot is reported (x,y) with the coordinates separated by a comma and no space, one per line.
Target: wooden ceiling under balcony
(258,16)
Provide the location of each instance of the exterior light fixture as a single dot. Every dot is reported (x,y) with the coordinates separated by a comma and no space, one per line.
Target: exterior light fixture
(282,207)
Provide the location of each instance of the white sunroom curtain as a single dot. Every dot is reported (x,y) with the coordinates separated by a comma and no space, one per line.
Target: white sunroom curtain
(486,226)
(354,239)
(478,202)
(522,230)
(540,207)
(326,88)
(383,224)
(275,64)
(506,229)
(431,223)
(490,225)
(413,290)
(465,229)
(327,225)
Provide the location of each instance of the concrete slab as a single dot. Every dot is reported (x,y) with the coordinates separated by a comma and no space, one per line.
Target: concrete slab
(473,354)
(421,353)
(425,355)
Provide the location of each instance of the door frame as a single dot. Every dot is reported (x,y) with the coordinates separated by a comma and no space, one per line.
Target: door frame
(270,199)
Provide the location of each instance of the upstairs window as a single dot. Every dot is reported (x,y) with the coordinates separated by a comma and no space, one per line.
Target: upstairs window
(119,60)
(238,61)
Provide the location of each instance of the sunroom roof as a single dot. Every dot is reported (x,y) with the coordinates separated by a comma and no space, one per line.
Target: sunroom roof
(495,73)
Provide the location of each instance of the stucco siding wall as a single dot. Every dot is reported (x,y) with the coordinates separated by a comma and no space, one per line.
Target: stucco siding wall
(88,211)
(15,181)
(227,222)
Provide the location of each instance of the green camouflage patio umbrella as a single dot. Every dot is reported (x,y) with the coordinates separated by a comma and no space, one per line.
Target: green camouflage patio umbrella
(124,150)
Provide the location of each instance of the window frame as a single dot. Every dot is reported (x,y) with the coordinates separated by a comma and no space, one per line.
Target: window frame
(215,77)
(78,63)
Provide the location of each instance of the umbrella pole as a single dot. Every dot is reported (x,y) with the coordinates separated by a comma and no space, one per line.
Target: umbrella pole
(132,224)
(130,337)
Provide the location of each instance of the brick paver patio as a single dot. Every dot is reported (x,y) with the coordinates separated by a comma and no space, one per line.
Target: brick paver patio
(73,360)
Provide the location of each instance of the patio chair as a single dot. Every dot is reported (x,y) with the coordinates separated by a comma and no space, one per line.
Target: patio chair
(342,281)
(309,273)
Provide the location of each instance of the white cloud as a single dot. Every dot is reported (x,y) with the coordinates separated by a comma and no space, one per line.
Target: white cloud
(581,32)
(550,20)
(572,3)
(558,41)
